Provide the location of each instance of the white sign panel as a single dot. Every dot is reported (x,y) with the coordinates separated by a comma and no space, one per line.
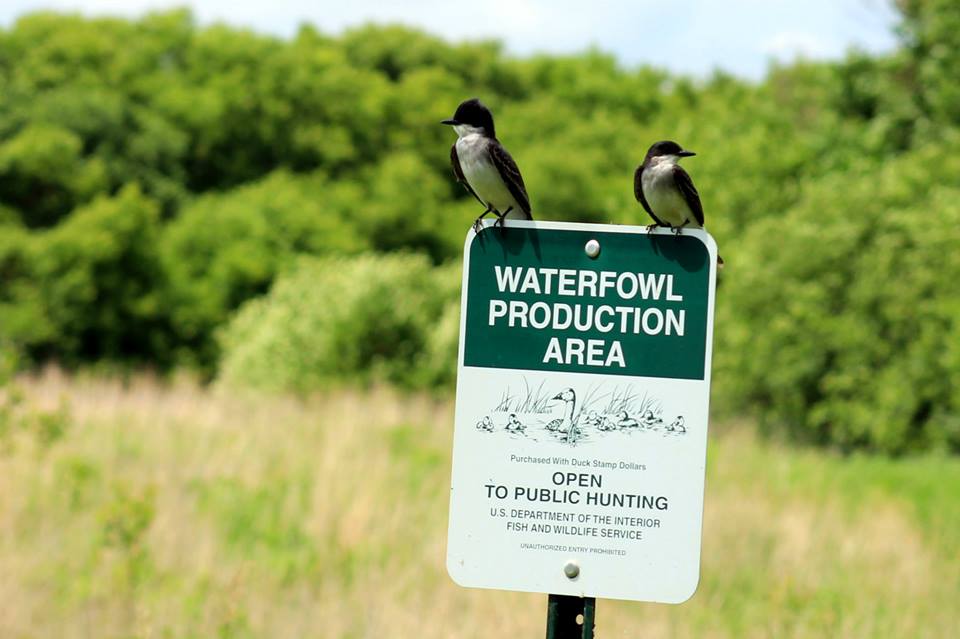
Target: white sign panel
(581,416)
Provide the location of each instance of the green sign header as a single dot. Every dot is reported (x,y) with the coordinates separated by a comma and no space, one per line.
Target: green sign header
(537,301)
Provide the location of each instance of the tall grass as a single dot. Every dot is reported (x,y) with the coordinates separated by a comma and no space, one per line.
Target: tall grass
(165,510)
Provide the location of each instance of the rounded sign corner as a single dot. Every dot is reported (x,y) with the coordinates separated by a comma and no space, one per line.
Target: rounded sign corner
(453,572)
(473,235)
(708,242)
(468,241)
(689,593)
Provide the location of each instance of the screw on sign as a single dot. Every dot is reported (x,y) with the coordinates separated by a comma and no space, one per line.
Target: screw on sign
(581,417)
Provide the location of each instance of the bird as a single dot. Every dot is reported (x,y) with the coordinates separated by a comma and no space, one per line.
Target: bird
(514,425)
(649,420)
(485,424)
(484,166)
(677,425)
(625,421)
(592,418)
(565,423)
(666,191)
(607,424)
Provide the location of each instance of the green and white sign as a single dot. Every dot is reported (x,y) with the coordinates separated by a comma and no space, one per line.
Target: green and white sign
(582,403)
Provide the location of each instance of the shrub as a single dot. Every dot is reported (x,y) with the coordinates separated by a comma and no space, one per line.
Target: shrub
(841,321)
(87,288)
(226,248)
(338,319)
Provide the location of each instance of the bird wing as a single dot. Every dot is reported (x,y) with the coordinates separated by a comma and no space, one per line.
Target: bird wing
(510,174)
(458,173)
(689,192)
(638,193)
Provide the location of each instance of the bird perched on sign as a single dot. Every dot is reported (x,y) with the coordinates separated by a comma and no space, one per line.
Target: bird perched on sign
(666,191)
(484,167)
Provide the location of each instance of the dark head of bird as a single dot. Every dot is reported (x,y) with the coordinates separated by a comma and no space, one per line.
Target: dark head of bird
(666,148)
(472,115)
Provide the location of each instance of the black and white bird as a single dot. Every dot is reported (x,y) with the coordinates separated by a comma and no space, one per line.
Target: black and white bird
(484,167)
(666,191)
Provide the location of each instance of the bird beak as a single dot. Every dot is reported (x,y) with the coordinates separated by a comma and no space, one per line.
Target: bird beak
(557,396)
(686,154)
(451,121)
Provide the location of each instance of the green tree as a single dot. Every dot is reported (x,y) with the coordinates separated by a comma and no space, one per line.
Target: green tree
(88,288)
(224,249)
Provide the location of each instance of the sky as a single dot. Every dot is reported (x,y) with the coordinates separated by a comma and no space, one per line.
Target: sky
(685,36)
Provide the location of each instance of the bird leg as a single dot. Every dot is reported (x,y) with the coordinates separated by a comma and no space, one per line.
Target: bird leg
(500,216)
(477,227)
(650,227)
(677,229)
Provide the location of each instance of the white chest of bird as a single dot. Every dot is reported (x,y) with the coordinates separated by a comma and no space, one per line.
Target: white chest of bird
(661,192)
(484,177)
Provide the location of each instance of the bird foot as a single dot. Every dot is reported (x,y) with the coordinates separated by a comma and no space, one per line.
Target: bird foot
(477,223)
(501,217)
(652,227)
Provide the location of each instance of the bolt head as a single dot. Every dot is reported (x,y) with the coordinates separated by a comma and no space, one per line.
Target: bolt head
(571,570)
(592,249)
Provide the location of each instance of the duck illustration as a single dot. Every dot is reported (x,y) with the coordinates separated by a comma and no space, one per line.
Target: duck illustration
(625,421)
(485,424)
(649,420)
(677,425)
(592,419)
(514,425)
(607,424)
(565,423)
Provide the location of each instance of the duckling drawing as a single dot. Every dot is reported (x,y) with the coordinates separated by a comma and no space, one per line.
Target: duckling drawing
(649,420)
(514,425)
(677,425)
(485,424)
(607,424)
(592,419)
(565,423)
(625,421)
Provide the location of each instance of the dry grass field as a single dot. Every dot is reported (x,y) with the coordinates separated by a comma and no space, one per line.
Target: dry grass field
(149,510)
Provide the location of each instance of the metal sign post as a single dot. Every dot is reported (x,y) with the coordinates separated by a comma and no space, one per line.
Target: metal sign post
(581,417)
(570,617)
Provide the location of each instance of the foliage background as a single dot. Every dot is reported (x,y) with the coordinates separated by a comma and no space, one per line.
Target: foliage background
(229,272)
(184,197)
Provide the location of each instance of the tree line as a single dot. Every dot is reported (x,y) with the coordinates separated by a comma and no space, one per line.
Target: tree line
(174,195)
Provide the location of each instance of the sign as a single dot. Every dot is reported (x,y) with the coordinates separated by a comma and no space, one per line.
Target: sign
(581,417)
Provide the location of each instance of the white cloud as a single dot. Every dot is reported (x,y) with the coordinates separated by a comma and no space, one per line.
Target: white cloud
(787,45)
